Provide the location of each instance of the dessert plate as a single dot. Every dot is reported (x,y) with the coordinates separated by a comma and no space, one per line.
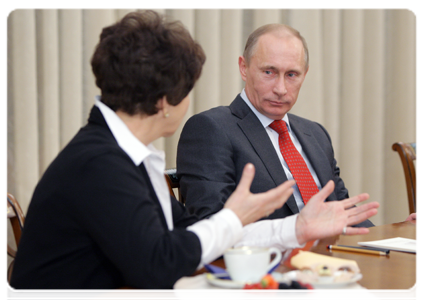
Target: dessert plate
(338,280)
(224,283)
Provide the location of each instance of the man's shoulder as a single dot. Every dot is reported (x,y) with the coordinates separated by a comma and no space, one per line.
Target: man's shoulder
(238,109)
(216,115)
(300,124)
(296,118)
(215,112)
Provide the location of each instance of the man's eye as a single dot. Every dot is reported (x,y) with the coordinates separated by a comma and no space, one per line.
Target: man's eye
(268,72)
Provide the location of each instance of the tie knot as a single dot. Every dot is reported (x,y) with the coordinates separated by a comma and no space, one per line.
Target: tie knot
(279,126)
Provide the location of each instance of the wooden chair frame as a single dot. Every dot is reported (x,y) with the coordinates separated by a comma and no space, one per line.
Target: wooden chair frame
(173,183)
(407,153)
(17,220)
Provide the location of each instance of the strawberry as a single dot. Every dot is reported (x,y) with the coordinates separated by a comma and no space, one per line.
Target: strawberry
(268,282)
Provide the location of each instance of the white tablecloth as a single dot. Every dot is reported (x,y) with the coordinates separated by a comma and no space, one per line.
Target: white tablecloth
(197,287)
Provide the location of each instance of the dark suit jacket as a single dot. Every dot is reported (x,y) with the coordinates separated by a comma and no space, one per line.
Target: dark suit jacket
(215,146)
(95,222)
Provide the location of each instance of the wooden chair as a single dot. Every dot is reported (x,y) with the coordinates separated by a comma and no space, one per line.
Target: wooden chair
(173,183)
(17,219)
(407,153)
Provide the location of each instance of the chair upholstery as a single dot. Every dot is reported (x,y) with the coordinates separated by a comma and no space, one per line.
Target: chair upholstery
(173,183)
(407,153)
(17,219)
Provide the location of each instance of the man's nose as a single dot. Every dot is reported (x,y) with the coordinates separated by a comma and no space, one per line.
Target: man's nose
(280,87)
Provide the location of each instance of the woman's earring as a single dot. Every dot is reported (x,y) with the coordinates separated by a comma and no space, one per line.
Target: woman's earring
(166,115)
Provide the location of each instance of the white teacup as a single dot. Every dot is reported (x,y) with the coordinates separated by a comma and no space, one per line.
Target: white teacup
(250,264)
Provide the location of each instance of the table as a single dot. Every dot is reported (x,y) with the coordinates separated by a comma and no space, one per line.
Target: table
(395,271)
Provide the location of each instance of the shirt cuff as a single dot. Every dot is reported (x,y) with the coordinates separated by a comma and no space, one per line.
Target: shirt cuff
(216,234)
(279,233)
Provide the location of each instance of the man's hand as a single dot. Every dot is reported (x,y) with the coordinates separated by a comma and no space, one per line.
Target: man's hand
(319,219)
(411,217)
(251,207)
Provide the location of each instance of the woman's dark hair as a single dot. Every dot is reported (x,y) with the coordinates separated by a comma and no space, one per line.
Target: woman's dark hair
(143,58)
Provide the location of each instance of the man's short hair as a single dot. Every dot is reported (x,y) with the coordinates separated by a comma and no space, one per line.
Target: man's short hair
(252,40)
(143,58)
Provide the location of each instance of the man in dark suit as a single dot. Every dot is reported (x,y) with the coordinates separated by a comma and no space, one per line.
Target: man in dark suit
(216,144)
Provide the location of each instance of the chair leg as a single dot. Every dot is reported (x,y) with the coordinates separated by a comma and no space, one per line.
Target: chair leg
(10,270)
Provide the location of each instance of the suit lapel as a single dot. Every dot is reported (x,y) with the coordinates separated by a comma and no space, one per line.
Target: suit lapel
(313,150)
(251,126)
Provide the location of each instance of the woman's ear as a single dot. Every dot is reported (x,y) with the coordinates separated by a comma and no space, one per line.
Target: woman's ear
(163,106)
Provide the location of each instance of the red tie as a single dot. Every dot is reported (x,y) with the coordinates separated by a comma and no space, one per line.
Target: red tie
(295,161)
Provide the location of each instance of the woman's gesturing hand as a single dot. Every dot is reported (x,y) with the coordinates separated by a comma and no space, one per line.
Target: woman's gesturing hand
(252,207)
(320,219)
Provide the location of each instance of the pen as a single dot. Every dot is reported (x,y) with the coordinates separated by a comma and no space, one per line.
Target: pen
(359,249)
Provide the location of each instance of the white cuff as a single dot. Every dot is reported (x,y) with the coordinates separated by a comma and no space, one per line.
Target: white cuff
(217,234)
(279,233)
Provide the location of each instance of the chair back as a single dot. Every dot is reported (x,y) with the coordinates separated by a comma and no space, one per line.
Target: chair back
(17,219)
(173,183)
(407,153)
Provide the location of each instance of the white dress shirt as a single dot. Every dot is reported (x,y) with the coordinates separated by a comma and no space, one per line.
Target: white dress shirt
(274,137)
(216,234)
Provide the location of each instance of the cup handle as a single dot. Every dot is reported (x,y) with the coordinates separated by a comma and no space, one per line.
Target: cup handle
(275,262)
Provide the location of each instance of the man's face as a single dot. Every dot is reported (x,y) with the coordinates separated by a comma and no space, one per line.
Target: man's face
(275,74)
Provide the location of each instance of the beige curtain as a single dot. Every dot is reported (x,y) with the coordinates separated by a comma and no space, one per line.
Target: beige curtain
(361,86)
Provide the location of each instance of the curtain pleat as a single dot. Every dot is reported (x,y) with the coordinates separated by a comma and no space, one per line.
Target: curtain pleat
(331,74)
(207,33)
(265,16)
(48,86)
(187,17)
(23,76)
(231,48)
(361,86)
(351,142)
(372,107)
(70,76)
(310,100)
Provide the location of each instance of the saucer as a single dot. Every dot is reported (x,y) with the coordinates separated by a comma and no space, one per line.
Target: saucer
(225,283)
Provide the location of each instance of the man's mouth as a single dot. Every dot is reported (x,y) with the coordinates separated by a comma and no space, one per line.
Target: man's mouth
(278,103)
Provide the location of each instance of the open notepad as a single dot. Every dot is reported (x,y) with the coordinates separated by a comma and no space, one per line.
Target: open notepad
(396,244)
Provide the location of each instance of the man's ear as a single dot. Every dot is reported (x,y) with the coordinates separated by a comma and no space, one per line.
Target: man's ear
(242,67)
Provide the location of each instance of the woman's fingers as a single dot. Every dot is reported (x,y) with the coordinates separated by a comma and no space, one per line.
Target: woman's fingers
(277,197)
(350,202)
(324,192)
(362,208)
(251,207)
(281,190)
(358,218)
(247,177)
(356,230)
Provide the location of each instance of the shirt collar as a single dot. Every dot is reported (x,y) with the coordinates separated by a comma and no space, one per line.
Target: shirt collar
(265,121)
(136,150)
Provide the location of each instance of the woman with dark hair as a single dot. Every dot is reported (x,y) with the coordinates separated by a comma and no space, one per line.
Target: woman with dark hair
(101,215)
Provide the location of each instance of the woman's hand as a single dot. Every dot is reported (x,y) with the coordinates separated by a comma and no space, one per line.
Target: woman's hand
(252,207)
(320,219)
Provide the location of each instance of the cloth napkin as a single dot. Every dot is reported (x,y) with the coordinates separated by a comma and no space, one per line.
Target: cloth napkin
(197,287)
